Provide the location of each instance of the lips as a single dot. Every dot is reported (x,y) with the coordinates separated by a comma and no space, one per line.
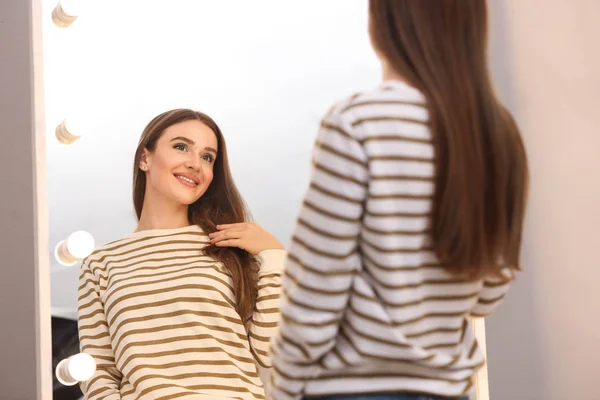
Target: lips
(187,179)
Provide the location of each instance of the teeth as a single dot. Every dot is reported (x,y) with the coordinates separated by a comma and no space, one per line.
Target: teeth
(183,178)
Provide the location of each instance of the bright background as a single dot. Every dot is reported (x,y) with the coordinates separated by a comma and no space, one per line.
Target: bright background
(266,71)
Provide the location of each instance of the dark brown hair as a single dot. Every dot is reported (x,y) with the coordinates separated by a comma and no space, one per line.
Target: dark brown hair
(440,47)
(221,204)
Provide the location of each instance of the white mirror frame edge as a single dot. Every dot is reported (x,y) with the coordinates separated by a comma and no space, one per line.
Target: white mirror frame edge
(481,379)
(43,299)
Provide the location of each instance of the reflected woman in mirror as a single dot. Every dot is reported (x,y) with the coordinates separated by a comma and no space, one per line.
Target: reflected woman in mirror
(184,307)
(412,222)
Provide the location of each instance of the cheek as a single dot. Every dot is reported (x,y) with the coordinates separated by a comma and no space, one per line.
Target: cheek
(160,175)
(159,171)
(158,180)
(159,166)
(208,176)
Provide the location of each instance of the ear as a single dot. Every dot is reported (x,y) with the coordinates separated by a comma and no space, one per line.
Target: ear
(145,160)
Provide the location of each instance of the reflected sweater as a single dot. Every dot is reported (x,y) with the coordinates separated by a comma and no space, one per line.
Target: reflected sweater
(366,307)
(159,318)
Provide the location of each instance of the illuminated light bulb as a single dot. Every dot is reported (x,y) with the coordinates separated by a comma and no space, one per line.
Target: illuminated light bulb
(66,12)
(64,133)
(78,245)
(78,368)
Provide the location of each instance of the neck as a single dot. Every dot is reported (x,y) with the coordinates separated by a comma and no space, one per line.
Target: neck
(159,213)
(389,74)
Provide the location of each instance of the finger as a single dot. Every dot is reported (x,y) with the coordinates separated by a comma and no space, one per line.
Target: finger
(218,239)
(229,243)
(233,233)
(215,238)
(216,233)
(228,234)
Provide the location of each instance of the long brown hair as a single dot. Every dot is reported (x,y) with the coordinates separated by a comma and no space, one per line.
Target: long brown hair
(440,47)
(221,204)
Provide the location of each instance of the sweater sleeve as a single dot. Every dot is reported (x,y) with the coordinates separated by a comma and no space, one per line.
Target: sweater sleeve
(264,322)
(323,259)
(493,292)
(95,340)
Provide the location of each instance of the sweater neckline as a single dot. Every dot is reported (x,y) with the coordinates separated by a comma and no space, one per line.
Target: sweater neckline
(164,232)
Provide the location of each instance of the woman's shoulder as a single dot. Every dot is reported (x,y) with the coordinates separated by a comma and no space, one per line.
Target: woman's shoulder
(141,242)
(388,96)
(106,252)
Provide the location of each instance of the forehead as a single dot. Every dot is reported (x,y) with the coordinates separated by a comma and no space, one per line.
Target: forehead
(194,130)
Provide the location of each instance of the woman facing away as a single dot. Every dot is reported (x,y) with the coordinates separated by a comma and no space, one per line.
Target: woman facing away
(412,222)
(184,307)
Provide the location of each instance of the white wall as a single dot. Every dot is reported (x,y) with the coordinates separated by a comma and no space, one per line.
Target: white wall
(25,367)
(543,342)
(266,71)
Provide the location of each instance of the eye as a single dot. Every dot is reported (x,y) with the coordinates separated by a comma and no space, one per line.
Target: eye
(180,146)
(208,157)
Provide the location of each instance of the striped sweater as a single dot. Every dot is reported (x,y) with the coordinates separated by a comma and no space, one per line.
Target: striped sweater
(366,307)
(158,317)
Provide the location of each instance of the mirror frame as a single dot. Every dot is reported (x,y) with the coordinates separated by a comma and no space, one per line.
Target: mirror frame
(43,311)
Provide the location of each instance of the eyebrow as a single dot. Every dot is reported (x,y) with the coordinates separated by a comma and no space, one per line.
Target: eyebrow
(191,142)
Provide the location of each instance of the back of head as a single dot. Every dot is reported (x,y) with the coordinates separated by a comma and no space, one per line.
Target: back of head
(440,47)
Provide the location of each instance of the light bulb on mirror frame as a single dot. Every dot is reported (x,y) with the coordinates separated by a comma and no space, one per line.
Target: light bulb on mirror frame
(77,368)
(77,246)
(64,133)
(66,12)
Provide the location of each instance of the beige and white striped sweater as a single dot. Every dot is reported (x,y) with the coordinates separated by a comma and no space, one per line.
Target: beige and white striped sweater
(158,317)
(365,306)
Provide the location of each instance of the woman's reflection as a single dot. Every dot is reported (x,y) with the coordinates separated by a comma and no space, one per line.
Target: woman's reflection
(185,306)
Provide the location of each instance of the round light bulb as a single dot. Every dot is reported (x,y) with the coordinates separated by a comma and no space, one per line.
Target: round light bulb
(65,133)
(80,244)
(82,367)
(78,368)
(71,128)
(62,255)
(65,13)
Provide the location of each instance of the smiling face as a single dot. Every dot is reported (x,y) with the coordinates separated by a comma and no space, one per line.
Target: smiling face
(180,168)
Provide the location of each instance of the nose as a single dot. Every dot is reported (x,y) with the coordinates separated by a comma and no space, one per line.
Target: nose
(193,162)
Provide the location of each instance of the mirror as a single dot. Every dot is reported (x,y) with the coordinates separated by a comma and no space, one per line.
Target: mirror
(265,71)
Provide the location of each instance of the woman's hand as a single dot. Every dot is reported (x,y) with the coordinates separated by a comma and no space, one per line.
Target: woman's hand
(246,235)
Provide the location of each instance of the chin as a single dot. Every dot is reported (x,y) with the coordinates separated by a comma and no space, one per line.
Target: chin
(186,200)
(186,196)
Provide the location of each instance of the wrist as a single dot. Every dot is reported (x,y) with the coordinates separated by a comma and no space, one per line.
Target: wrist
(271,246)
(271,259)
